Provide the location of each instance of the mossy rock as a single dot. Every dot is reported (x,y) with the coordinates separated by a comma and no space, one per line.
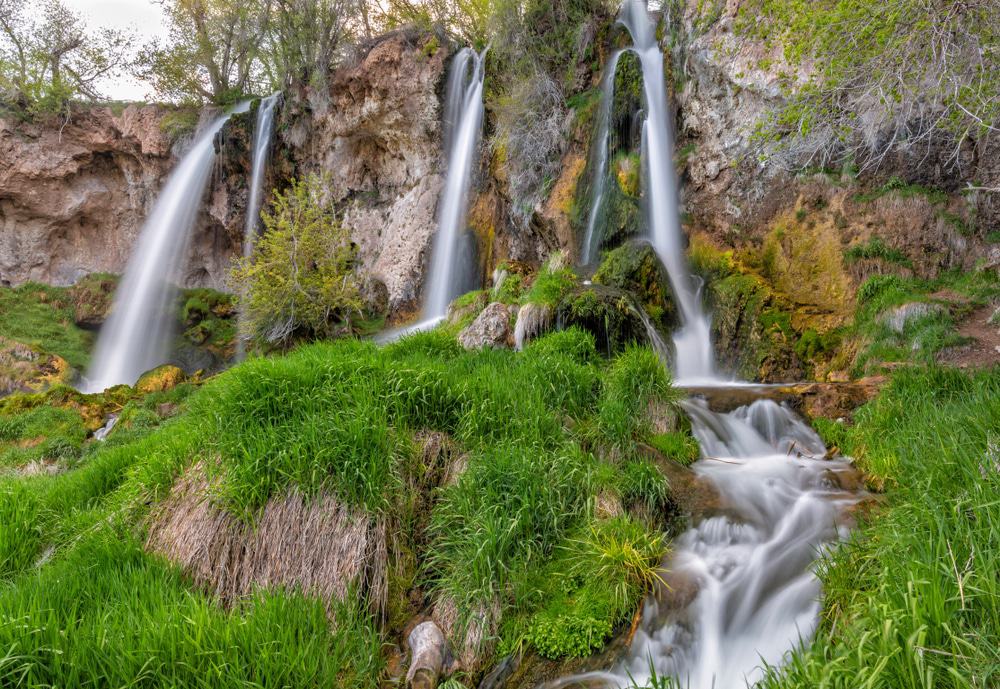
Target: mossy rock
(160,379)
(609,313)
(25,368)
(92,297)
(635,268)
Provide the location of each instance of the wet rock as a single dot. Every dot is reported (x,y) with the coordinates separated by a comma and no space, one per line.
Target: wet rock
(490,329)
(898,318)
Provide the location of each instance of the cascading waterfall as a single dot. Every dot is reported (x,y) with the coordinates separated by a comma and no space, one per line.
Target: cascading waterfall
(749,563)
(262,134)
(136,336)
(692,342)
(599,161)
(463,127)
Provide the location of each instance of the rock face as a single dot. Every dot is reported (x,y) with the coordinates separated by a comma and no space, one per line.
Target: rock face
(73,196)
(376,131)
(731,82)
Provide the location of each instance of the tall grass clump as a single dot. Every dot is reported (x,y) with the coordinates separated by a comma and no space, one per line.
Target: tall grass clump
(913,600)
(635,380)
(107,614)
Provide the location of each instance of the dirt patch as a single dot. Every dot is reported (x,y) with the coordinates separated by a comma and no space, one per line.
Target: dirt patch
(983,347)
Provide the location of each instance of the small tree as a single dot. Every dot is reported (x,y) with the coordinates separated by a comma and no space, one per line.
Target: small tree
(299,281)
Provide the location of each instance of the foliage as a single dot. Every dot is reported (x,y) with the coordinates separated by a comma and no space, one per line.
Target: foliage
(913,599)
(593,584)
(912,69)
(222,50)
(300,279)
(48,58)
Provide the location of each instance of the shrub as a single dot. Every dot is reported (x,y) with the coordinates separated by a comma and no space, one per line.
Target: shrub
(299,281)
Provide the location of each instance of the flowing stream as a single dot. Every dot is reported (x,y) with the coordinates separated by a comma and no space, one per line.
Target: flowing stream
(744,592)
(136,336)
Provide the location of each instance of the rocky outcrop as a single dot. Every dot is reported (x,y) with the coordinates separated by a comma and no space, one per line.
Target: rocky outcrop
(74,194)
(376,132)
(734,186)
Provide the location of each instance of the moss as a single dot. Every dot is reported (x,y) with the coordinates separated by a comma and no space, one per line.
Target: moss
(636,269)
(626,167)
(899,187)
(679,446)
(209,319)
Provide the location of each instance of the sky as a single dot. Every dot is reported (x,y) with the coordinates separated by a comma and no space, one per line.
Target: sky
(143,17)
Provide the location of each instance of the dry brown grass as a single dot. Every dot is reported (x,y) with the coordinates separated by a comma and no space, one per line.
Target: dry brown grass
(317,545)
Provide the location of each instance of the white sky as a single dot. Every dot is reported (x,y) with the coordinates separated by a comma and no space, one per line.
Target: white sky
(143,17)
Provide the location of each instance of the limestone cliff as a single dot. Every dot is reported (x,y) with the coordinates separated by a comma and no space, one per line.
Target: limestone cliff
(74,194)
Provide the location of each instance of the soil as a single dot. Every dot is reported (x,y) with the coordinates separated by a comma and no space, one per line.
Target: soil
(983,347)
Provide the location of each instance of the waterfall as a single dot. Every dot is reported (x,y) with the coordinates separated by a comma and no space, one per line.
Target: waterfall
(749,563)
(262,135)
(692,342)
(463,127)
(599,159)
(136,336)
(262,132)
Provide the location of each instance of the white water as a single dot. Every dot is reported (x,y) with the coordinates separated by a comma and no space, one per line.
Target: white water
(751,562)
(599,162)
(136,337)
(748,563)
(262,135)
(692,342)
(463,125)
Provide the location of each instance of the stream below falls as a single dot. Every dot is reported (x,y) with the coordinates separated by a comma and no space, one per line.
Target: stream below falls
(741,592)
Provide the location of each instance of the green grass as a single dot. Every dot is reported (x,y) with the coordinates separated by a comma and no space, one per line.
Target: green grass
(42,316)
(339,417)
(877,249)
(913,600)
(900,188)
(922,338)
(106,614)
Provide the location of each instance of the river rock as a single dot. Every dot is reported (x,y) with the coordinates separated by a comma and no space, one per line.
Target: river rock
(490,329)
(427,648)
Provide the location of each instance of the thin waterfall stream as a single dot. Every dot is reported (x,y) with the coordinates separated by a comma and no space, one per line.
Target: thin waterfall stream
(262,134)
(748,563)
(463,124)
(136,336)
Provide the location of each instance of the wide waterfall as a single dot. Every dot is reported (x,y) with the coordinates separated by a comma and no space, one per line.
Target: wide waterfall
(463,124)
(749,564)
(599,160)
(136,336)
(262,135)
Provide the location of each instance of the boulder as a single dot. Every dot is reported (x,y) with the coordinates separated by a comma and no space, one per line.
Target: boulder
(160,379)
(490,329)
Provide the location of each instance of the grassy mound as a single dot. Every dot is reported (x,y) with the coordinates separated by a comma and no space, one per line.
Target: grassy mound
(535,441)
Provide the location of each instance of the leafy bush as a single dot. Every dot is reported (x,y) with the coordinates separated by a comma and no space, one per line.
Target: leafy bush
(299,281)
